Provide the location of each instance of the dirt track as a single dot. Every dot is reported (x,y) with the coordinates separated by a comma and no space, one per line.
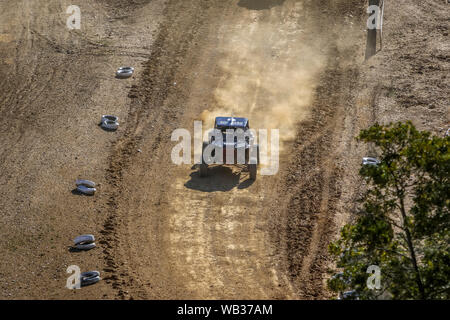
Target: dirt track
(162,231)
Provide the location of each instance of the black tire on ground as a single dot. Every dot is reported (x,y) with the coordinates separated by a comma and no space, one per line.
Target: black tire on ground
(204,165)
(253,168)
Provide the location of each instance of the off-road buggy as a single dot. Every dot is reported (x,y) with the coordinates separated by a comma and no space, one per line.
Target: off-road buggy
(231,136)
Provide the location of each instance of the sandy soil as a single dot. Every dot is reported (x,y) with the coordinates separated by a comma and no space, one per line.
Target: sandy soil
(162,231)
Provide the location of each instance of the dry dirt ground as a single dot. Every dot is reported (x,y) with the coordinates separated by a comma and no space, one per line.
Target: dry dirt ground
(162,231)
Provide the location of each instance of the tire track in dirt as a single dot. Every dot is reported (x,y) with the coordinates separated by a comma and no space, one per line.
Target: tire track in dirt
(220,238)
(56,87)
(149,107)
(219,224)
(212,237)
(311,219)
(312,180)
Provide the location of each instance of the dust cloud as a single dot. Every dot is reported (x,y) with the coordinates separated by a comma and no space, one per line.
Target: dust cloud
(271,69)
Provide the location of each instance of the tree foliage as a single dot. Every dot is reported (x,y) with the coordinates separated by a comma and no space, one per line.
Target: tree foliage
(402,224)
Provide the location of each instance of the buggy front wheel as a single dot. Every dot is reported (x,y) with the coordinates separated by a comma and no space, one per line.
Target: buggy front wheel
(252,168)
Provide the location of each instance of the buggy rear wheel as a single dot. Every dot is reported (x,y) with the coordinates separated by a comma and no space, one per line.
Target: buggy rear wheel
(203,166)
(252,168)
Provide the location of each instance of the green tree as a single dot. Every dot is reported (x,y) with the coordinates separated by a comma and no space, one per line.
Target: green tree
(402,224)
